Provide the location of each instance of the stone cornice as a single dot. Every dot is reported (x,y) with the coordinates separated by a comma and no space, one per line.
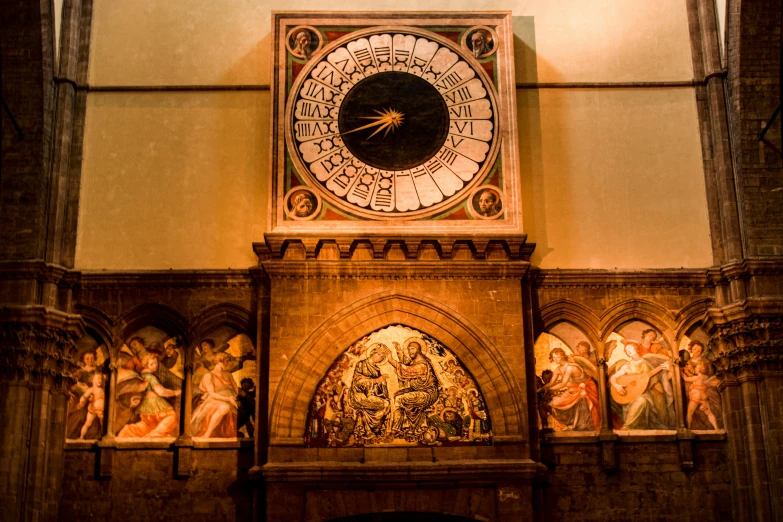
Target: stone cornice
(385,472)
(745,269)
(39,271)
(592,278)
(393,247)
(747,309)
(241,278)
(388,270)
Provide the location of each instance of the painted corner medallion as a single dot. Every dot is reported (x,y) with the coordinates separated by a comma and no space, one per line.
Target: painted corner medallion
(393,122)
(397,386)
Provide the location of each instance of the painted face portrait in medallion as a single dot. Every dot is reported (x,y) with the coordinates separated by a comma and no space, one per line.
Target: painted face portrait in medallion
(302,204)
(486,203)
(303,41)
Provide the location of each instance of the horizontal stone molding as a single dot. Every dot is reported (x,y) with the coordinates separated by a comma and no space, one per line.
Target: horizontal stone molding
(101,280)
(488,471)
(394,247)
(592,278)
(381,269)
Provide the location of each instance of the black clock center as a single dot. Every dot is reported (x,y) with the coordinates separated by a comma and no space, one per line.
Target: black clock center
(421,134)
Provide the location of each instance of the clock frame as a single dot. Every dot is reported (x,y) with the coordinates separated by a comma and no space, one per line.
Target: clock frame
(443,211)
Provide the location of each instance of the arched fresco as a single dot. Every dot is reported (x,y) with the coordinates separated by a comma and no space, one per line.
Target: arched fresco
(149,385)
(87,396)
(224,386)
(640,378)
(397,386)
(701,399)
(567,381)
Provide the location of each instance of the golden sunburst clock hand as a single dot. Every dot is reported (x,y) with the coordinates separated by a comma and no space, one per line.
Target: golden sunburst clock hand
(388,119)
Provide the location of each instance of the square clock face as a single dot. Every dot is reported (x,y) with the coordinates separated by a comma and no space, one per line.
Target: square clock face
(383,119)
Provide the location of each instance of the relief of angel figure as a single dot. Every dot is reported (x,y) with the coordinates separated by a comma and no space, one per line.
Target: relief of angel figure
(641,389)
(574,404)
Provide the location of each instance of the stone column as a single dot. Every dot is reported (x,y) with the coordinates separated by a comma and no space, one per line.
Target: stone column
(36,348)
(750,364)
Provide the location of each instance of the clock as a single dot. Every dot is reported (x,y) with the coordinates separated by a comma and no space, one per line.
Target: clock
(393,122)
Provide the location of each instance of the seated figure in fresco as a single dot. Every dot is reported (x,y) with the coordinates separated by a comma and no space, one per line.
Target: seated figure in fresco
(369,395)
(575,404)
(216,414)
(158,418)
(419,389)
(653,409)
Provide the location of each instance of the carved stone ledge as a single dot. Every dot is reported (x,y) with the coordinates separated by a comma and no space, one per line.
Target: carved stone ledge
(37,345)
(393,247)
(103,280)
(402,269)
(589,278)
(350,472)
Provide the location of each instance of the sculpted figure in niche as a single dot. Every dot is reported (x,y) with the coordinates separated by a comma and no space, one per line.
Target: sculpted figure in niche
(369,395)
(418,390)
(645,401)
(574,404)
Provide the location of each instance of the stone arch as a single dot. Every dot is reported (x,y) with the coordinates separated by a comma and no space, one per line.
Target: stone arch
(576,314)
(99,325)
(223,314)
(690,315)
(638,309)
(504,396)
(158,315)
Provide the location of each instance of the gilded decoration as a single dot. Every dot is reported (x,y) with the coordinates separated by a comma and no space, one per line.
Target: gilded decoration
(397,386)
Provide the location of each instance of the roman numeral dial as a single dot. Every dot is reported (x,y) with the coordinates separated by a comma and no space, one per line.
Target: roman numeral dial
(393,123)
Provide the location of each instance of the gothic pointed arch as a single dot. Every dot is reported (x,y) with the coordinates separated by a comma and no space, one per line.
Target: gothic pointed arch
(152,314)
(637,309)
(504,397)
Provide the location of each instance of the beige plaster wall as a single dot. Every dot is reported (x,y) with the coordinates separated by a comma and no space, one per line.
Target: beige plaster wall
(202,156)
(173,180)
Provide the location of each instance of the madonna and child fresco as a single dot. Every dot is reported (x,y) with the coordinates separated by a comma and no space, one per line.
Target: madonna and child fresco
(397,386)
(640,370)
